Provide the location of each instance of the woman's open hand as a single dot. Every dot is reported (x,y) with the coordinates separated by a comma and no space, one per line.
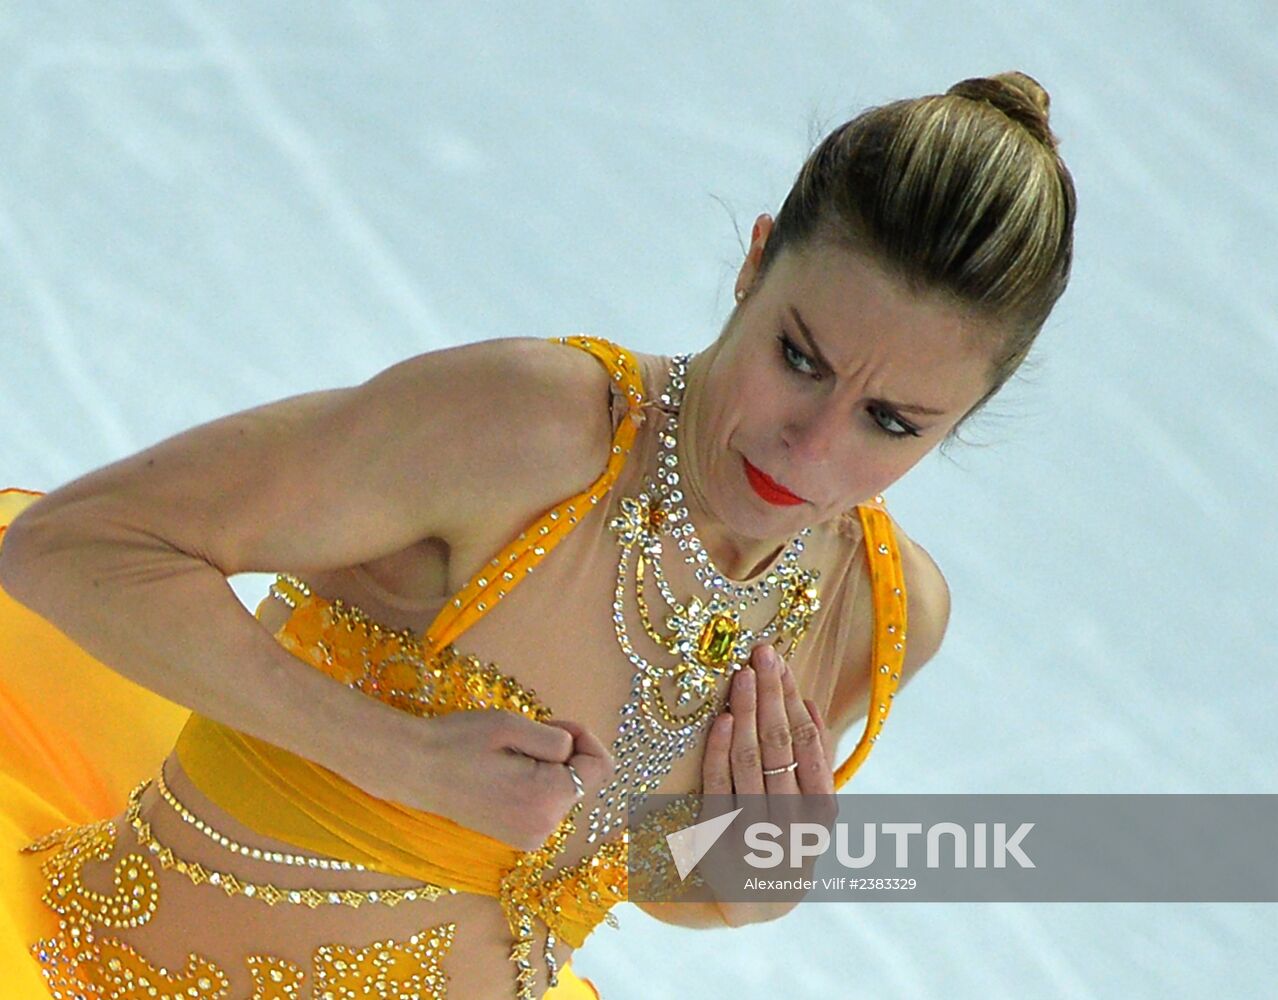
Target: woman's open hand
(769,726)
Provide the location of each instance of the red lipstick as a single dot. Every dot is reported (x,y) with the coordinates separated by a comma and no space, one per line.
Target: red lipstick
(767,488)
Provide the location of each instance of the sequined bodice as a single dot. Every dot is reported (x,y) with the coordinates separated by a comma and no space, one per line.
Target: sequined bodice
(394,666)
(398,668)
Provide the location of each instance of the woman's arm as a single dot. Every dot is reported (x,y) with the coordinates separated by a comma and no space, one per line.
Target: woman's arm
(131,560)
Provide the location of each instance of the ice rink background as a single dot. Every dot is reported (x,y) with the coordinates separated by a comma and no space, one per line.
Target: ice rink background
(206,206)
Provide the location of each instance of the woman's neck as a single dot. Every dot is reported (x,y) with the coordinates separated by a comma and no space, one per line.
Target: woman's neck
(735,555)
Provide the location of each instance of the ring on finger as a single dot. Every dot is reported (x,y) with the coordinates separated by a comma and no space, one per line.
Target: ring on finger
(781,770)
(576,780)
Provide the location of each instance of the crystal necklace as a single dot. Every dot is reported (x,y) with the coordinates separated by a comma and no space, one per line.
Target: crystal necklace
(706,635)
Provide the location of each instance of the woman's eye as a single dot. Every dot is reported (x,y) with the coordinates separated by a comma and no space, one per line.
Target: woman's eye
(795,358)
(905,430)
(798,362)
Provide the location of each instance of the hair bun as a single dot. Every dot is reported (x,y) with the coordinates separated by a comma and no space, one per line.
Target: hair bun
(1017,95)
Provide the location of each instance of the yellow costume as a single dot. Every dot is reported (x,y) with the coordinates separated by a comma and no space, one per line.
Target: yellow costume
(75,737)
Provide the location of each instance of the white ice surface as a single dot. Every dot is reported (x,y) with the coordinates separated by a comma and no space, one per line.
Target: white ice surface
(206,206)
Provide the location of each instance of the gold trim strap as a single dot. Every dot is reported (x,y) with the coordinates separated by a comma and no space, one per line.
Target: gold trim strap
(514,562)
(888,656)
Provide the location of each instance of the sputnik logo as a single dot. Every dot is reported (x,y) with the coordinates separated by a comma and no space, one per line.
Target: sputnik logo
(689,845)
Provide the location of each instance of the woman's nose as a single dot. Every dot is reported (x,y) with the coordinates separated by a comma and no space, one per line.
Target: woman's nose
(814,438)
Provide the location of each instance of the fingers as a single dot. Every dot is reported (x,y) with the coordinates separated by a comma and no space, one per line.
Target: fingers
(747,771)
(589,758)
(716,766)
(548,741)
(769,725)
(775,725)
(826,740)
(822,785)
(808,737)
(805,739)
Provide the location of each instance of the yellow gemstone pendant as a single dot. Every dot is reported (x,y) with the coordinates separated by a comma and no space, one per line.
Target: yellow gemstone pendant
(714,646)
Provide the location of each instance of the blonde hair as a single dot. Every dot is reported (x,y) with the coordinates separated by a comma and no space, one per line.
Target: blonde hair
(961,193)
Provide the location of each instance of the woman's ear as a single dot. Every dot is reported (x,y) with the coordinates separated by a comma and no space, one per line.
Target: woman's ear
(762,229)
(754,255)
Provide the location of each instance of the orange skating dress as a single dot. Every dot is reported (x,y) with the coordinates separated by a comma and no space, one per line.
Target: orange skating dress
(76,737)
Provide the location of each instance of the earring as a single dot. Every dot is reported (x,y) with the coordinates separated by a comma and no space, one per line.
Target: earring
(741,294)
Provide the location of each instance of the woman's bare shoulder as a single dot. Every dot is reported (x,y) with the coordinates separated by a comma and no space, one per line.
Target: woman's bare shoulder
(548,431)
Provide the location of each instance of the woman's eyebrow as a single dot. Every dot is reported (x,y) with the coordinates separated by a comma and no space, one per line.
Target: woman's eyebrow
(824,363)
(812,344)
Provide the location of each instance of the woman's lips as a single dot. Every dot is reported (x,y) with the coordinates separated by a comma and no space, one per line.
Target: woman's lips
(770,490)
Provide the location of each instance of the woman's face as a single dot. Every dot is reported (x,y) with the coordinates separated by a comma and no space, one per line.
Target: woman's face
(818,381)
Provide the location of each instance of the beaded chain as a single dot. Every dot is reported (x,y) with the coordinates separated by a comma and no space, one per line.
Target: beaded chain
(706,636)
(275,857)
(269,894)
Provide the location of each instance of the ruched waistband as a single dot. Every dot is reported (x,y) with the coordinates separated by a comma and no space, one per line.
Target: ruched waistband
(290,798)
